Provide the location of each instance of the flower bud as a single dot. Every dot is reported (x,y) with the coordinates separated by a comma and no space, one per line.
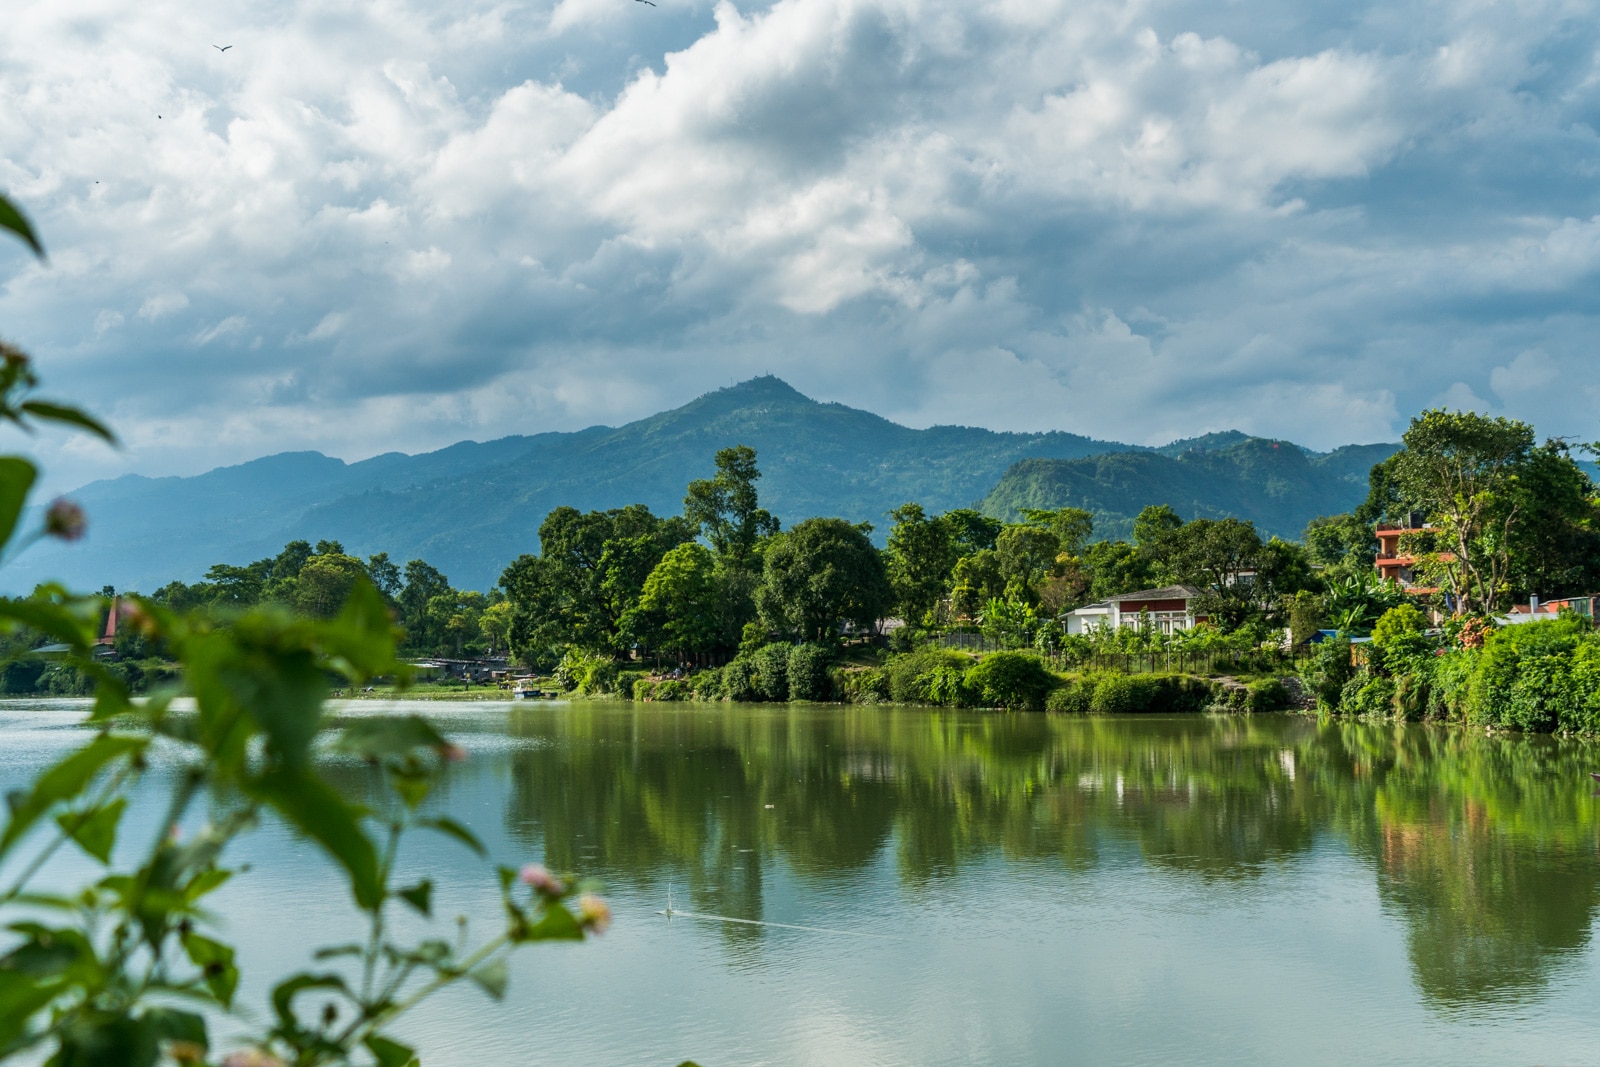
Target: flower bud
(542,880)
(65,520)
(594,913)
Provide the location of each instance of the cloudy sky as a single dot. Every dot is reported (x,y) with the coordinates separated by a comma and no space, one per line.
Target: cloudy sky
(393,224)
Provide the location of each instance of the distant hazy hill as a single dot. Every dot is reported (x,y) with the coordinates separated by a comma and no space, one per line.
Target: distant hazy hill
(1277,485)
(470,508)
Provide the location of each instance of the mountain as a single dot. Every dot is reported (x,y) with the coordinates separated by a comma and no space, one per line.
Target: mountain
(471,508)
(1277,485)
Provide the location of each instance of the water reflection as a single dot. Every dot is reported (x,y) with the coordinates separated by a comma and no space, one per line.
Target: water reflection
(1483,848)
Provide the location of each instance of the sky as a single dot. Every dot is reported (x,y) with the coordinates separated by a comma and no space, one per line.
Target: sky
(375,225)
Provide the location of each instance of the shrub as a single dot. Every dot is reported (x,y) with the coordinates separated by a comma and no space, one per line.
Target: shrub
(1012,680)
(861,685)
(1367,694)
(771,664)
(1327,673)
(738,681)
(932,676)
(808,672)
(627,682)
(587,672)
(1071,697)
(1125,694)
(1267,694)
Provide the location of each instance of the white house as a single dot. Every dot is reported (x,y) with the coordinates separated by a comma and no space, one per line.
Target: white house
(1170,608)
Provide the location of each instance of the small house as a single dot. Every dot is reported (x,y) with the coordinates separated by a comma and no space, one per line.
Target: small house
(1168,609)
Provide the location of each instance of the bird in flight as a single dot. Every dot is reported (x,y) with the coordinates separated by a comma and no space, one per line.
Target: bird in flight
(650,2)
(222,47)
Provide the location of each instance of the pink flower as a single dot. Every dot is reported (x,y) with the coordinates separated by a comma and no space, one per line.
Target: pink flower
(65,520)
(542,880)
(594,913)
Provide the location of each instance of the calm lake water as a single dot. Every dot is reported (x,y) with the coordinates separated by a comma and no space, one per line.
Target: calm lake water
(1043,890)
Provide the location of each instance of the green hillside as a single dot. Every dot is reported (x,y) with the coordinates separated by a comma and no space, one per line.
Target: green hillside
(471,508)
(1277,485)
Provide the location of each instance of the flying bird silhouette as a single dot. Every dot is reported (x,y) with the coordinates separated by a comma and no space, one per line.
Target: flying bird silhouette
(222,47)
(650,2)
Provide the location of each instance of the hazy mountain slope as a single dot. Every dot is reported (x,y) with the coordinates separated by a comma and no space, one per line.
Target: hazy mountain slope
(470,508)
(1275,484)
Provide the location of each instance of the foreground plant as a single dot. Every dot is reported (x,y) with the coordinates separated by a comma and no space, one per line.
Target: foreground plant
(127,969)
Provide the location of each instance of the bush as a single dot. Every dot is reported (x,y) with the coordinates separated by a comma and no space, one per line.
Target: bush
(808,672)
(1327,673)
(738,681)
(627,682)
(932,676)
(1126,694)
(1267,694)
(861,685)
(1012,680)
(1367,694)
(771,664)
(1071,697)
(587,672)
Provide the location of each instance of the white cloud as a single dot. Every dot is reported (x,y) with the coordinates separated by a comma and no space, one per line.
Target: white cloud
(1131,218)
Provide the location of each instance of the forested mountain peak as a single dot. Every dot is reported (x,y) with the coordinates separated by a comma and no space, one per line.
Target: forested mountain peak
(472,507)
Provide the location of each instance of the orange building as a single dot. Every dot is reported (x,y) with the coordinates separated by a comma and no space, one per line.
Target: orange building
(1394,564)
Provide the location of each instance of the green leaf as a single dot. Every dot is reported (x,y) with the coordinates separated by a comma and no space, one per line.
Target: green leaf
(170,1024)
(419,896)
(313,807)
(335,951)
(284,993)
(64,781)
(217,968)
(75,623)
(377,737)
(16,479)
(95,831)
(450,828)
(389,1053)
(557,924)
(12,218)
(491,978)
(71,416)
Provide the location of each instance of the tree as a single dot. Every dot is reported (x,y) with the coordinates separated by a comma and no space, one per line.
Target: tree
(726,507)
(239,587)
(976,580)
(1116,567)
(1027,555)
(919,558)
(1555,543)
(1223,558)
(820,575)
(589,573)
(678,606)
(325,582)
(423,582)
(971,531)
(1072,526)
(385,575)
(1153,529)
(1462,468)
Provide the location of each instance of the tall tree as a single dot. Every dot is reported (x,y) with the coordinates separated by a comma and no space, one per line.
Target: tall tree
(678,607)
(921,552)
(385,575)
(819,575)
(727,509)
(1462,468)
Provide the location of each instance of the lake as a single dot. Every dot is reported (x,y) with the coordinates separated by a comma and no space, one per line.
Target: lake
(986,888)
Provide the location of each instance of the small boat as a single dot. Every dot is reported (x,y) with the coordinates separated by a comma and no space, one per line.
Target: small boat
(525,692)
(1595,776)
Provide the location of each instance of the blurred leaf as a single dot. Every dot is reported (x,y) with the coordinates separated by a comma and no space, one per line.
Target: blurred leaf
(389,1053)
(378,737)
(217,968)
(71,416)
(205,882)
(360,640)
(170,1024)
(95,832)
(335,951)
(419,896)
(314,808)
(12,218)
(65,780)
(16,478)
(491,978)
(285,992)
(557,924)
(449,827)
(75,623)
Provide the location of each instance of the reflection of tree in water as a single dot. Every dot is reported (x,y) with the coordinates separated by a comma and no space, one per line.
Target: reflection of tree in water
(1485,847)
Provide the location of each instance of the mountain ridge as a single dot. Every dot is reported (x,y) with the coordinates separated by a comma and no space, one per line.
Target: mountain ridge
(471,507)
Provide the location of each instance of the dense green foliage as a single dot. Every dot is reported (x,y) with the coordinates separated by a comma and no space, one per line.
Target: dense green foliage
(1276,485)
